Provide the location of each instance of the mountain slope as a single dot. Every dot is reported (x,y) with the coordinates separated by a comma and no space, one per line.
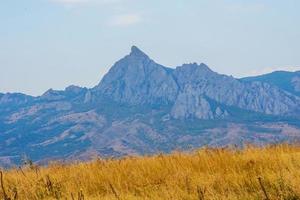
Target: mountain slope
(141,107)
(289,81)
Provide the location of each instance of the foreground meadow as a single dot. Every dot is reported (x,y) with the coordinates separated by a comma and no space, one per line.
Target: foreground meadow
(253,173)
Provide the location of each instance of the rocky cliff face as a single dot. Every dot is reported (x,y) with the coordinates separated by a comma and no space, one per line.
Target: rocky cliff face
(141,107)
(136,79)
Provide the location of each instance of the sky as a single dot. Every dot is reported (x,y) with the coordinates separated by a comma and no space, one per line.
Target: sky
(55,43)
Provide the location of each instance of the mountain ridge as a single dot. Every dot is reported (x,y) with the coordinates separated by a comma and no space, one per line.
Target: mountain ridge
(137,79)
(289,81)
(142,107)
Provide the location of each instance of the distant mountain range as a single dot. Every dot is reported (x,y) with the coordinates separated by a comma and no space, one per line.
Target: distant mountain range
(141,107)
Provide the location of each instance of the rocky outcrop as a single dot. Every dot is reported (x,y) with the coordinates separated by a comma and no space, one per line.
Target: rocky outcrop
(136,79)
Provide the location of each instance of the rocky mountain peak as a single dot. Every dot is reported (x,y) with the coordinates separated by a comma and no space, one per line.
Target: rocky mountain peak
(136,79)
(73,89)
(194,67)
(193,73)
(136,52)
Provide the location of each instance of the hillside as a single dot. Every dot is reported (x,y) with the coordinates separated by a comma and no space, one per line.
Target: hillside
(141,107)
(288,81)
(206,174)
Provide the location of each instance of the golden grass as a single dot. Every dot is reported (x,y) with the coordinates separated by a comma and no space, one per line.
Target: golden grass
(253,173)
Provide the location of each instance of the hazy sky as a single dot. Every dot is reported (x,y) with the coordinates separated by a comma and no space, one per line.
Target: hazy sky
(54,43)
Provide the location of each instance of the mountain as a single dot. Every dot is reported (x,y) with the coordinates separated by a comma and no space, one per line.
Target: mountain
(288,81)
(137,79)
(141,107)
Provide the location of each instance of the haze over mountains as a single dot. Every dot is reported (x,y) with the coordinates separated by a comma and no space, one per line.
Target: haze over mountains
(141,107)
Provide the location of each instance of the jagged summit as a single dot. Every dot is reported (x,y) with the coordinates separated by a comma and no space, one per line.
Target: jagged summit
(136,52)
(136,79)
(194,66)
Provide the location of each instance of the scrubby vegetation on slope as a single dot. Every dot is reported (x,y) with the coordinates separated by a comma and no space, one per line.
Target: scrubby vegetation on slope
(252,173)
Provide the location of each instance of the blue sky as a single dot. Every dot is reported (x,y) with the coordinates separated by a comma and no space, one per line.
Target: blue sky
(55,43)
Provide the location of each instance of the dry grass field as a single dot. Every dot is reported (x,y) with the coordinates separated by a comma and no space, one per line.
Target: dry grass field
(253,173)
